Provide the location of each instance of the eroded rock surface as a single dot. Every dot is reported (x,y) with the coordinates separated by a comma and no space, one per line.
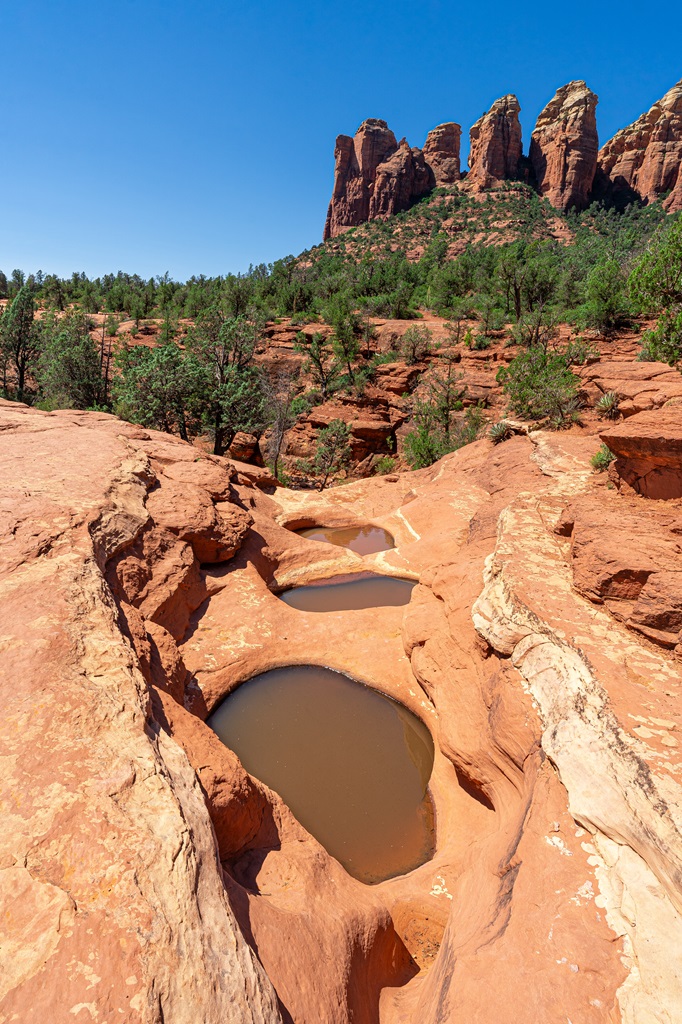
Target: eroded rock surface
(644,160)
(564,147)
(496,146)
(145,871)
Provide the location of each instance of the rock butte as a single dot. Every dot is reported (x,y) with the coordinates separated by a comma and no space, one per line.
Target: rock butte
(374,176)
(146,877)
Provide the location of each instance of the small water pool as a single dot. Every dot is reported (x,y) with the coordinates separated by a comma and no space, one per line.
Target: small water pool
(352,764)
(345,593)
(364,540)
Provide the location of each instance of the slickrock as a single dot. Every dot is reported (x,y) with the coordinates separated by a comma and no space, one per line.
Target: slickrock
(496,146)
(644,160)
(564,147)
(441,153)
(145,871)
(113,903)
(648,450)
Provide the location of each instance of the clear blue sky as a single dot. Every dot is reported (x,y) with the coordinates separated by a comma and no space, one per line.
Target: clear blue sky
(197,137)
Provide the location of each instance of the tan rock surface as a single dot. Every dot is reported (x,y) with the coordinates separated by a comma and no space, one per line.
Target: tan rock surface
(648,450)
(113,905)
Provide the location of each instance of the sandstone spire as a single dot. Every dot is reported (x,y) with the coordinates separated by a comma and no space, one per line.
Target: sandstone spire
(644,160)
(441,153)
(495,143)
(564,146)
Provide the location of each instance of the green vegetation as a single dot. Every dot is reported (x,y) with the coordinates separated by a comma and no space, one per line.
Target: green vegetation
(499,432)
(602,459)
(607,405)
(511,263)
(656,287)
(332,452)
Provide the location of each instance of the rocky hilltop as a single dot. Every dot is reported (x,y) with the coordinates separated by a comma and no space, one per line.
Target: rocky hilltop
(147,877)
(375,177)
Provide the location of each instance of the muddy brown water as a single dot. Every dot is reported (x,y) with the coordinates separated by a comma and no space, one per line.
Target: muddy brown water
(364,540)
(344,593)
(352,764)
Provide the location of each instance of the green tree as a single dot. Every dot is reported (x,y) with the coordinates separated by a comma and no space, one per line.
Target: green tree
(656,286)
(607,306)
(21,337)
(332,452)
(224,347)
(539,383)
(415,344)
(69,371)
(159,387)
(319,360)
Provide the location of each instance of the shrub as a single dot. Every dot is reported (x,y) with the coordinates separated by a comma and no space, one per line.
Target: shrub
(415,344)
(539,383)
(607,405)
(386,464)
(500,432)
(602,459)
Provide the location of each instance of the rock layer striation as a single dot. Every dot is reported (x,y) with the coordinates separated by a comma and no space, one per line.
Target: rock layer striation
(564,147)
(495,144)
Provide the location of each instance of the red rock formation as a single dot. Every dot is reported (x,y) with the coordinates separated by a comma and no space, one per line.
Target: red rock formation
(441,153)
(564,147)
(376,177)
(495,144)
(644,160)
(648,450)
(399,179)
(356,162)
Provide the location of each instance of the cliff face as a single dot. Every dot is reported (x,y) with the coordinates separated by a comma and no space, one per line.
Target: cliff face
(564,147)
(495,143)
(644,160)
(376,177)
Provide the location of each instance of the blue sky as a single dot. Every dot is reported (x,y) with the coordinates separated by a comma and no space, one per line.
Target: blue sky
(197,137)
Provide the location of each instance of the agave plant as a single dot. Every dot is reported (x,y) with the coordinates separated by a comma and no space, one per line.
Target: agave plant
(607,405)
(500,432)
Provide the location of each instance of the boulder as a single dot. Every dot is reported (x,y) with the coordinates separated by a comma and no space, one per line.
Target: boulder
(648,450)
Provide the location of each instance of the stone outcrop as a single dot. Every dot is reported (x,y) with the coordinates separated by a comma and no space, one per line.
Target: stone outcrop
(441,153)
(648,450)
(564,147)
(375,177)
(644,160)
(144,871)
(495,144)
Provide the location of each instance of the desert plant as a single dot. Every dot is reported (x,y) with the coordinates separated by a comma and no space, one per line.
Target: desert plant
(415,344)
(602,459)
(499,432)
(607,405)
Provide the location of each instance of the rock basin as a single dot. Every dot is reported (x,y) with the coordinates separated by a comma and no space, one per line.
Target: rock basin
(363,540)
(352,764)
(344,593)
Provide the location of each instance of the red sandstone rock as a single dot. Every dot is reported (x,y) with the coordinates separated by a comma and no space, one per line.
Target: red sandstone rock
(644,160)
(564,146)
(356,162)
(648,450)
(376,177)
(400,178)
(496,147)
(441,153)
